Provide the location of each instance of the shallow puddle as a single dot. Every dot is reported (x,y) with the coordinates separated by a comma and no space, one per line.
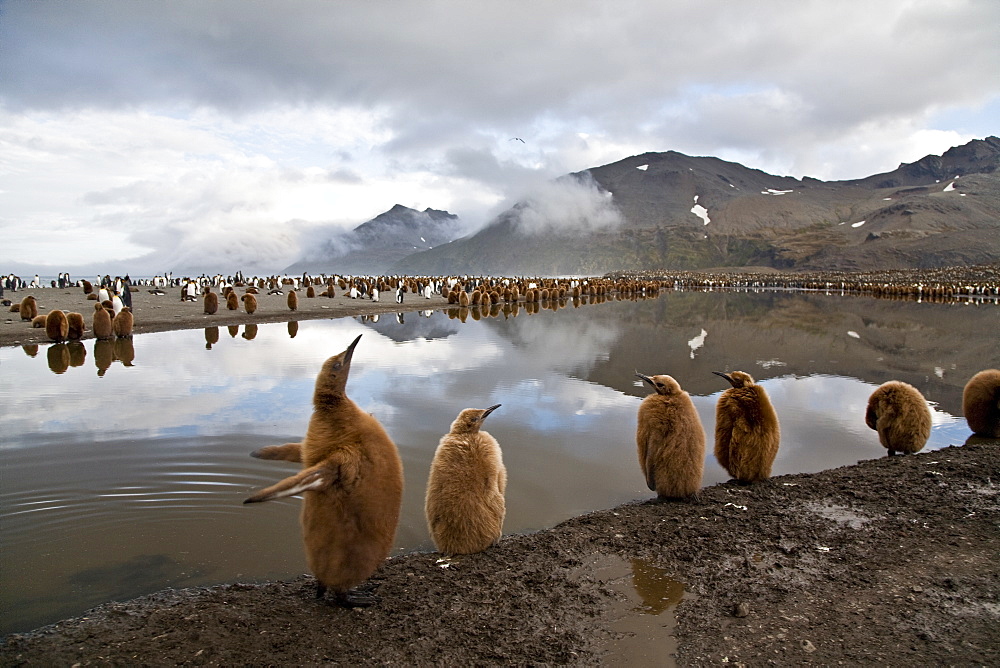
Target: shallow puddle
(643,623)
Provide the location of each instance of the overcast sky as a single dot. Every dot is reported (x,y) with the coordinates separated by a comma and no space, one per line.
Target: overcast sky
(231,134)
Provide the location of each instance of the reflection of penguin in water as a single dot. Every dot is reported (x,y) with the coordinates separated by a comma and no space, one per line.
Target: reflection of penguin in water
(746,429)
(981,403)
(58,358)
(211,337)
(103,355)
(465,504)
(671,440)
(351,482)
(899,413)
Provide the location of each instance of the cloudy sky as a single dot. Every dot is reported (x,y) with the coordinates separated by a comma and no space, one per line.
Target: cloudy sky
(232,134)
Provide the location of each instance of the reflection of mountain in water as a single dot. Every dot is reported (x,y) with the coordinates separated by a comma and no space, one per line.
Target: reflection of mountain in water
(414,326)
(936,347)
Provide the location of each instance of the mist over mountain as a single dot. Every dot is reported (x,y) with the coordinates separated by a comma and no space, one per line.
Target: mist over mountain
(673,211)
(373,247)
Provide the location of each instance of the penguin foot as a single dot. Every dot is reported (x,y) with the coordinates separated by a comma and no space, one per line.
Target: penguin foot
(355,598)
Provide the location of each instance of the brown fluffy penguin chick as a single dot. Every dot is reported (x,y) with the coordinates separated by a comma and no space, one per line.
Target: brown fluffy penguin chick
(76,326)
(28,308)
(899,413)
(56,325)
(249,303)
(981,403)
(101,323)
(38,322)
(122,323)
(232,301)
(746,429)
(351,482)
(671,440)
(465,504)
(293,301)
(211,303)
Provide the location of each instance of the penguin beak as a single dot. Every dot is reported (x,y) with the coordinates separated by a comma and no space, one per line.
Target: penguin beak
(727,377)
(350,350)
(645,378)
(488,411)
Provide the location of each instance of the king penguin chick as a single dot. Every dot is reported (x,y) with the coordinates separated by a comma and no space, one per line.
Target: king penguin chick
(211,302)
(122,323)
(351,482)
(465,491)
(671,440)
(746,429)
(981,403)
(899,413)
(56,325)
(101,323)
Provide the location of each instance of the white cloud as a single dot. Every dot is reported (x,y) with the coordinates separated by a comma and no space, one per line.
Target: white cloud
(117,116)
(567,205)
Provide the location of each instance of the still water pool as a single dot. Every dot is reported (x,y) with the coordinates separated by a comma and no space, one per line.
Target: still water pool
(124,467)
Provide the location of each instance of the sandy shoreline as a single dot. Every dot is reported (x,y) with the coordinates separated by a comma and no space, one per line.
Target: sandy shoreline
(890,561)
(160,313)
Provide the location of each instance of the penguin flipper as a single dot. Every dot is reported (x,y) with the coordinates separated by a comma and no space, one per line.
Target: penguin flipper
(289,452)
(314,478)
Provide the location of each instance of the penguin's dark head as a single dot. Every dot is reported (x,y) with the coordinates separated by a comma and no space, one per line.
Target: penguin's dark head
(332,379)
(737,378)
(471,419)
(664,385)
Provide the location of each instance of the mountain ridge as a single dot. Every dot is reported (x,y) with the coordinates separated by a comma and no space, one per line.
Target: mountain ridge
(685,212)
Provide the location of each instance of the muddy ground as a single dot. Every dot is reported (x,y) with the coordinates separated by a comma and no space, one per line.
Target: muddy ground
(892,561)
